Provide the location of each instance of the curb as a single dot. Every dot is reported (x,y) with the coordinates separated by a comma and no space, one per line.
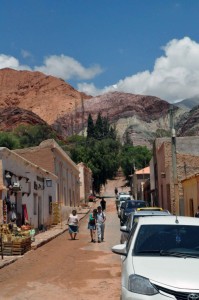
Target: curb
(6,263)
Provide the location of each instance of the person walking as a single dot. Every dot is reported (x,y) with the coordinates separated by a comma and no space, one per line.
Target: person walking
(100,221)
(116,191)
(73,222)
(103,204)
(92,224)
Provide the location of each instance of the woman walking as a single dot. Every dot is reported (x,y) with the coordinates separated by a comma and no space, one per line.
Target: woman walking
(73,222)
(92,224)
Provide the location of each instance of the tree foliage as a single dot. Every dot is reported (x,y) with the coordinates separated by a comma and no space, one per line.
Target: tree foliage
(9,140)
(134,157)
(30,136)
(26,136)
(99,150)
(101,129)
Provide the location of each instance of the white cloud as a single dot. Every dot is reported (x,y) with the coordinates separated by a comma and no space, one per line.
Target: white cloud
(60,66)
(7,61)
(175,75)
(67,68)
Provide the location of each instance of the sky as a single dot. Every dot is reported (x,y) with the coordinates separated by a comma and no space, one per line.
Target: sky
(147,47)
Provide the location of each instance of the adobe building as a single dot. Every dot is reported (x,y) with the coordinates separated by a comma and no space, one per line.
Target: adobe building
(50,156)
(171,167)
(25,192)
(139,179)
(191,194)
(85,175)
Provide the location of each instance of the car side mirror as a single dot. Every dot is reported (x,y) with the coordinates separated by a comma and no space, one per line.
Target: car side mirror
(124,229)
(120,249)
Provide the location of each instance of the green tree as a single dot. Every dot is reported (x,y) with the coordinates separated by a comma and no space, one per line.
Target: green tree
(90,127)
(134,157)
(101,156)
(30,136)
(99,134)
(9,140)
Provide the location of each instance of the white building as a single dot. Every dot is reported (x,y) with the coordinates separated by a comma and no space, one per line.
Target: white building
(26,189)
(50,156)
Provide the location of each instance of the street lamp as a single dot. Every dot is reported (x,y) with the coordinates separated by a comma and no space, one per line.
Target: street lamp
(48,182)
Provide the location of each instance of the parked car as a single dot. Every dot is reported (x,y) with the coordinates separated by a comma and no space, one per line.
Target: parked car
(161,259)
(128,207)
(119,207)
(91,198)
(133,217)
(122,197)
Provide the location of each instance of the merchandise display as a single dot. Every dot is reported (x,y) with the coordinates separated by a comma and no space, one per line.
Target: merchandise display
(15,240)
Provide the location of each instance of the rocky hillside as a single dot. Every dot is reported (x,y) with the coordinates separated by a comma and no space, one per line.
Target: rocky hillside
(11,117)
(47,96)
(135,116)
(189,123)
(34,98)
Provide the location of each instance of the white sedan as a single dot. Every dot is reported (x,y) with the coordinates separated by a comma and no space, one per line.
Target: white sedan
(161,259)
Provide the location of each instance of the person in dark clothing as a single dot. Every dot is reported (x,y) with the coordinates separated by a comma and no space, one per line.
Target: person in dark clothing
(103,204)
(116,191)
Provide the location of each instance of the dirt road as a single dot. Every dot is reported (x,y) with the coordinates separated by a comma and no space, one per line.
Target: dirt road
(68,269)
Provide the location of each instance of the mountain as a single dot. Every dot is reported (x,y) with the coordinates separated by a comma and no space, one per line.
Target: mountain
(189,123)
(34,98)
(11,117)
(188,103)
(47,96)
(136,116)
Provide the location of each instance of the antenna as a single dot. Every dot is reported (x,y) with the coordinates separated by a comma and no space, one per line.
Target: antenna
(176,221)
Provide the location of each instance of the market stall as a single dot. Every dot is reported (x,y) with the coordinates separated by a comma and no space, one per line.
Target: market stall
(15,240)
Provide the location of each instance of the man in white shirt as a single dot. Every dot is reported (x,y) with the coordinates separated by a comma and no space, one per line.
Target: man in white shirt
(100,222)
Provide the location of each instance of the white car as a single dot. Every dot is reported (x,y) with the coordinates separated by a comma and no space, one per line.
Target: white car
(161,259)
(122,197)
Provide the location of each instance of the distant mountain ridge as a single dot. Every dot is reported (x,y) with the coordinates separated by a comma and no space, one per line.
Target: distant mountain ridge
(136,116)
(188,103)
(33,98)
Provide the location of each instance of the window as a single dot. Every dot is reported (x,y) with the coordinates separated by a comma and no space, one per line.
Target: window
(131,236)
(50,204)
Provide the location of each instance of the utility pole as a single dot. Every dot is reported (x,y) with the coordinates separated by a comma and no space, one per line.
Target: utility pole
(175,200)
(82,104)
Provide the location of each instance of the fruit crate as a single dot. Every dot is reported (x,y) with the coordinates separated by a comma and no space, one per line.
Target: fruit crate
(7,248)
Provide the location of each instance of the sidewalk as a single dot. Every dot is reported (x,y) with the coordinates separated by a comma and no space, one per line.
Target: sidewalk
(45,237)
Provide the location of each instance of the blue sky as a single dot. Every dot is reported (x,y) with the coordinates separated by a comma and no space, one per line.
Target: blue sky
(146,47)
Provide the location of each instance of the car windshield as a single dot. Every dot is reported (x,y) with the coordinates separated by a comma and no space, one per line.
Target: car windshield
(168,240)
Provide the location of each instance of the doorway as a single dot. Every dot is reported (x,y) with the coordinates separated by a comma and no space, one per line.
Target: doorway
(40,213)
(191,208)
